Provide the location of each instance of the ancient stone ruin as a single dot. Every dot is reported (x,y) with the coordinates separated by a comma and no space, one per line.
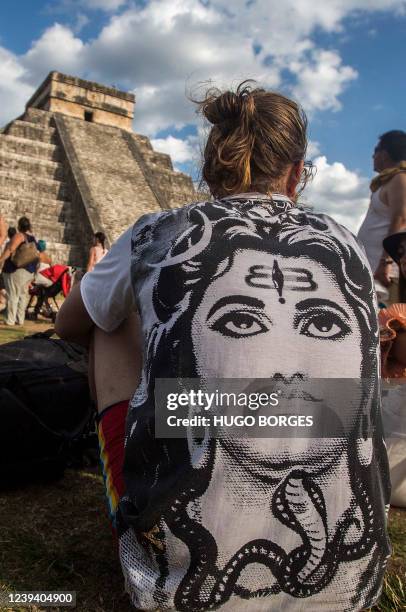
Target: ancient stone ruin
(73,165)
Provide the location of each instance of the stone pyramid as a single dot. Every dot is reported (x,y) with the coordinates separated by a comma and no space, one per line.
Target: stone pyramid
(73,165)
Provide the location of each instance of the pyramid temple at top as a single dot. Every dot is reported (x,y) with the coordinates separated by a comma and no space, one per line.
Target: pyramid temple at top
(73,165)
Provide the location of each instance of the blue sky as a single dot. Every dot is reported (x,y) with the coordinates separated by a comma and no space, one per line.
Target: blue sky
(344,60)
(374,103)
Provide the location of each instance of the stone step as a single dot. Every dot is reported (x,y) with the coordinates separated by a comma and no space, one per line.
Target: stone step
(51,216)
(55,231)
(36,115)
(24,146)
(32,166)
(158,159)
(143,142)
(51,225)
(38,207)
(13,212)
(14,184)
(48,229)
(66,254)
(32,131)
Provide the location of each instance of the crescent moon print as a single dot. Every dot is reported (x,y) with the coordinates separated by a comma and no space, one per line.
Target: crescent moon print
(242,289)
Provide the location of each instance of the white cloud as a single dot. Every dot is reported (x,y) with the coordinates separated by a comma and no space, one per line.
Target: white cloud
(163,47)
(321,80)
(80,22)
(157,47)
(338,192)
(57,49)
(313,149)
(168,46)
(14,92)
(87,5)
(180,150)
(105,5)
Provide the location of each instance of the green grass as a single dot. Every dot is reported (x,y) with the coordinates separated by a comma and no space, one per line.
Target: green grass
(10,334)
(394,594)
(57,537)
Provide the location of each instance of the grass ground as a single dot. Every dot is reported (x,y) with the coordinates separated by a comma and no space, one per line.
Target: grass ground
(57,537)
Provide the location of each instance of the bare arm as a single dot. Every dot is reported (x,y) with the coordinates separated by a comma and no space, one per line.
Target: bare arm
(72,321)
(3,230)
(396,198)
(13,246)
(45,258)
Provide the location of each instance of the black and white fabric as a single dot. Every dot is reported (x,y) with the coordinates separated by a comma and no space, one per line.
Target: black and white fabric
(251,286)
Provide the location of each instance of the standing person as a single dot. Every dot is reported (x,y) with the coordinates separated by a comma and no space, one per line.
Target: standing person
(3,294)
(3,233)
(386,214)
(16,280)
(97,251)
(245,286)
(10,233)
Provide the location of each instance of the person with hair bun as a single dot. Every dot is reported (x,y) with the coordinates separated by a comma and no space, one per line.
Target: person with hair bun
(257,143)
(247,286)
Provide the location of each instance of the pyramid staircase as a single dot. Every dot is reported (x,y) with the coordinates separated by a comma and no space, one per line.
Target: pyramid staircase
(32,184)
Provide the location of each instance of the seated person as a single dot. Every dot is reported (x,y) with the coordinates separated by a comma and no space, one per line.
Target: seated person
(247,285)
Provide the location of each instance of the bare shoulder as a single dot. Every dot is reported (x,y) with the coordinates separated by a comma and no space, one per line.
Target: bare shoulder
(395,189)
(398,183)
(17,239)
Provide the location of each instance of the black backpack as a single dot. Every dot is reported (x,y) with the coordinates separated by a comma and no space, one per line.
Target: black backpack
(46,413)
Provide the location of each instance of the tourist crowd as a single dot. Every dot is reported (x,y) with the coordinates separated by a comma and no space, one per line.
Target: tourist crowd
(28,273)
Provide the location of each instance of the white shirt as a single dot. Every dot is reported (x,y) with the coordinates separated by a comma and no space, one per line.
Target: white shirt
(374,229)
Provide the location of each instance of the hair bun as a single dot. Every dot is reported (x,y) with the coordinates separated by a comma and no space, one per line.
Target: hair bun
(256,136)
(229,107)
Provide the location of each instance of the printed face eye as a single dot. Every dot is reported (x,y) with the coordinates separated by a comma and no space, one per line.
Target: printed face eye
(327,324)
(238,316)
(240,324)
